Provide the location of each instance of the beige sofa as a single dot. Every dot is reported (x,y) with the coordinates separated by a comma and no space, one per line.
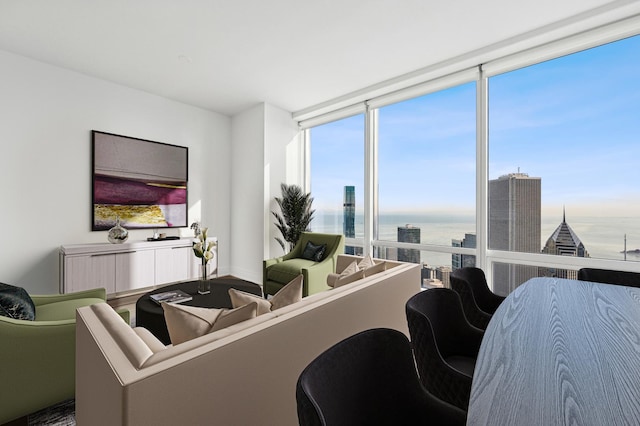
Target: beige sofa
(242,375)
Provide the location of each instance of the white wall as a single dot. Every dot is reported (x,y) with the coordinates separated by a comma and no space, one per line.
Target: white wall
(247,130)
(265,152)
(46,116)
(284,158)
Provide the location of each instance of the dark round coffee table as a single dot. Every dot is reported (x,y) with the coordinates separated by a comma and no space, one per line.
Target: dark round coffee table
(151,316)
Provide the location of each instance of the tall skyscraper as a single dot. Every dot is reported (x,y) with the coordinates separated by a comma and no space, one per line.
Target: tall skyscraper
(463,260)
(409,234)
(514,225)
(349,211)
(563,242)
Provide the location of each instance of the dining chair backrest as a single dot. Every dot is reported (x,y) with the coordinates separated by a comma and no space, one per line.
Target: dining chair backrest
(369,378)
(439,333)
(441,309)
(461,284)
(486,300)
(608,276)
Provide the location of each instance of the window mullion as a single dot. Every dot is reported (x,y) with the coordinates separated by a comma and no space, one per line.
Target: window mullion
(370,179)
(482,173)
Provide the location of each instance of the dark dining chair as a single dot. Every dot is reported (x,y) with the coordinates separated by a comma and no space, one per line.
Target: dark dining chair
(444,343)
(608,276)
(369,378)
(478,301)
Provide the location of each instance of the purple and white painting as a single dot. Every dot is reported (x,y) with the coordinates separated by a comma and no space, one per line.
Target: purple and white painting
(142,182)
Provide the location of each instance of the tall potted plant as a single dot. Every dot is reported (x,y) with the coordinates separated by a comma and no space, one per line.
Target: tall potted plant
(296,214)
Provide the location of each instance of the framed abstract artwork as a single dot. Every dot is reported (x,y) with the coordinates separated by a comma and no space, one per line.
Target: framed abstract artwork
(141,182)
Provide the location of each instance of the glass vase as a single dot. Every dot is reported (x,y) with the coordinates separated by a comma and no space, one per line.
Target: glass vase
(118,234)
(204,285)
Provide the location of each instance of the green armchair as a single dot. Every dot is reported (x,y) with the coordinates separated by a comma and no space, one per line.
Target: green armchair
(279,271)
(37,357)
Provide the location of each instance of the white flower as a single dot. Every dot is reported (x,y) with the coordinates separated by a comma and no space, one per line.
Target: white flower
(203,248)
(197,247)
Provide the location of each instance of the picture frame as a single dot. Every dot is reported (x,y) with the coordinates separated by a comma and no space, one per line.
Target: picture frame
(143,183)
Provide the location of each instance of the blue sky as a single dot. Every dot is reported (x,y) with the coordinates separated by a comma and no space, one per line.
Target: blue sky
(573,121)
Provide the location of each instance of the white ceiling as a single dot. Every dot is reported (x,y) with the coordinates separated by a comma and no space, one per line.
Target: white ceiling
(228,55)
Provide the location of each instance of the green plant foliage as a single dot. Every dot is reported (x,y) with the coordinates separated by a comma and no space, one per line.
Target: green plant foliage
(296,216)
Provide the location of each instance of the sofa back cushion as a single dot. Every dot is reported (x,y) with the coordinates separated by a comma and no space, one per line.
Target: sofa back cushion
(375,269)
(151,341)
(134,348)
(348,279)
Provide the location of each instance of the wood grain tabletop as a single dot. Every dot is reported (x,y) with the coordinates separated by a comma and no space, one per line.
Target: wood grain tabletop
(560,352)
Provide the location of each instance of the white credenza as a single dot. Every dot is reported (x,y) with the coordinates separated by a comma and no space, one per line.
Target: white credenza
(129,266)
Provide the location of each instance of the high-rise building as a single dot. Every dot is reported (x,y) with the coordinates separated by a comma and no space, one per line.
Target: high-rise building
(409,234)
(390,253)
(514,225)
(349,211)
(443,273)
(456,258)
(463,260)
(563,242)
(428,277)
(427,272)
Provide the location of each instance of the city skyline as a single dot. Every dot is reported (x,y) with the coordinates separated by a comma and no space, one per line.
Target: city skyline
(572,121)
(577,130)
(600,235)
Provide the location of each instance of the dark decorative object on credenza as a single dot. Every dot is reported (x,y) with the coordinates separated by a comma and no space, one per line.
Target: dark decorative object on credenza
(142,182)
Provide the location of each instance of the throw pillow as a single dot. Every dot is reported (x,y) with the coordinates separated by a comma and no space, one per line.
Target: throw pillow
(16,303)
(366,262)
(332,278)
(372,270)
(348,279)
(188,322)
(313,252)
(353,267)
(287,295)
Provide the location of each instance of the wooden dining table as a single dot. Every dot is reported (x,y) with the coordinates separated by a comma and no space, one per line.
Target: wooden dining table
(560,352)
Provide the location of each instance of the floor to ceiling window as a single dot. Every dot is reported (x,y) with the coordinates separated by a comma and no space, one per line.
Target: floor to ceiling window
(561,145)
(426,174)
(337,178)
(564,136)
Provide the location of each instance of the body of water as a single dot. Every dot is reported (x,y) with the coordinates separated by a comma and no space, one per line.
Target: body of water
(603,237)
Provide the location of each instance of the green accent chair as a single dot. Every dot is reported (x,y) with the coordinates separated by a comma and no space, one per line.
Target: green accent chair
(279,271)
(37,358)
